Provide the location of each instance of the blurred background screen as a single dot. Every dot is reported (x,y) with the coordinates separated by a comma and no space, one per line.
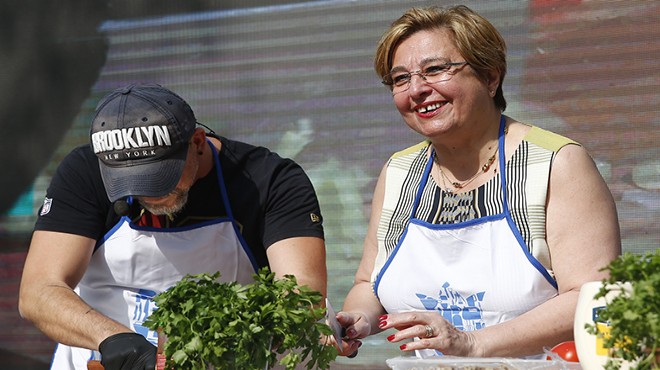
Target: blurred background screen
(298,77)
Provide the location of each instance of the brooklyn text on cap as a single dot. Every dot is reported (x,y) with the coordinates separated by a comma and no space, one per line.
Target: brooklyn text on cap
(140,135)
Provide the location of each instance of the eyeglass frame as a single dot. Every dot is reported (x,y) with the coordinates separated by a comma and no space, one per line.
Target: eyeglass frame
(423,75)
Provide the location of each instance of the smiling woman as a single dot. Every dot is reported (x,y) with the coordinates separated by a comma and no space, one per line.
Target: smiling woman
(457,265)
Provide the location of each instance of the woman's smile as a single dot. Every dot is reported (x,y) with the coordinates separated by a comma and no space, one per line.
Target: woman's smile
(428,110)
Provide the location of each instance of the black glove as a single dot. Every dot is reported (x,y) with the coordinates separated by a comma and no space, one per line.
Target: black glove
(127,351)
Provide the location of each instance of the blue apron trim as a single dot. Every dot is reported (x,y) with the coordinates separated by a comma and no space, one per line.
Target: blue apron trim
(422,185)
(122,220)
(521,243)
(420,189)
(502,160)
(52,358)
(458,225)
(388,262)
(509,219)
(225,199)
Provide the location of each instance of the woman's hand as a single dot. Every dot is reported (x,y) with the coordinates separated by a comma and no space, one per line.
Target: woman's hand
(433,331)
(355,327)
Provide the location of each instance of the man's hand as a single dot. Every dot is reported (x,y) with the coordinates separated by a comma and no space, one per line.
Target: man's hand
(127,351)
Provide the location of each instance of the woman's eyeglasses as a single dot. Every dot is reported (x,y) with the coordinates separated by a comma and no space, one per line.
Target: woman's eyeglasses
(399,81)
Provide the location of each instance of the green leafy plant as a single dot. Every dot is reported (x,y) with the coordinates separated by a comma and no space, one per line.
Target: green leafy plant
(233,326)
(633,316)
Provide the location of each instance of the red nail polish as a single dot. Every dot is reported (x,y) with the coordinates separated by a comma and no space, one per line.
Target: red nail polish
(390,338)
(382,318)
(382,324)
(402,347)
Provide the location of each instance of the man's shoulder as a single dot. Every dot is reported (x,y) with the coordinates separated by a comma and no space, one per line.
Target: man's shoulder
(82,153)
(81,160)
(239,149)
(250,156)
(76,199)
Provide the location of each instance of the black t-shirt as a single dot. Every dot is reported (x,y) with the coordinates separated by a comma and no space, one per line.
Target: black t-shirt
(271,198)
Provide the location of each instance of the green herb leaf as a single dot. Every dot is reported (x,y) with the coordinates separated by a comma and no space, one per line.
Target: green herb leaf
(633,317)
(231,326)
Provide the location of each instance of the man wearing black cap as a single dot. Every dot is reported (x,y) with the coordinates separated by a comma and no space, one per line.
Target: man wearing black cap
(152,198)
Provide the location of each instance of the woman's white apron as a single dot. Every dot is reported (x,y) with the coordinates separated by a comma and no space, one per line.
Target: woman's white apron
(475,274)
(132,264)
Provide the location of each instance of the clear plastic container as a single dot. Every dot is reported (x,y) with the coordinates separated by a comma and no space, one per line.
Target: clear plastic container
(463,363)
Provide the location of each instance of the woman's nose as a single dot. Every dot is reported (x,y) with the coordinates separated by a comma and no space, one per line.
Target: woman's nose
(418,85)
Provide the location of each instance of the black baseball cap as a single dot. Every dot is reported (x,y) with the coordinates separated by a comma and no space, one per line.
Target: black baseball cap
(140,134)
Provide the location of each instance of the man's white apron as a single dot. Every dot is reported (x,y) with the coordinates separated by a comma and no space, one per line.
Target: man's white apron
(475,274)
(132,264)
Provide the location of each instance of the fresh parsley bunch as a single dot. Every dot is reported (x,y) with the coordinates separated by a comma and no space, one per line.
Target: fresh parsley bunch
(230,326)
(633,317)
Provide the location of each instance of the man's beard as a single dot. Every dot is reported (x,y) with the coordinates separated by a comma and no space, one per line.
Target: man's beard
(180,200)
(180,195)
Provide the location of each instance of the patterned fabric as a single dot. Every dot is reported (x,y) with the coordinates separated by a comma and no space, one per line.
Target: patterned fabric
(528,173)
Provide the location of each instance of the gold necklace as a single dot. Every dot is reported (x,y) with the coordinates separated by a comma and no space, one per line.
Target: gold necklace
(461,185)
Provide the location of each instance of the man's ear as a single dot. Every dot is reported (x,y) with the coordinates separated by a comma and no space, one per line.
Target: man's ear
(199,139)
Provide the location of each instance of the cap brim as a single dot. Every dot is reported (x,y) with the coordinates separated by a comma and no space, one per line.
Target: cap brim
(155,179)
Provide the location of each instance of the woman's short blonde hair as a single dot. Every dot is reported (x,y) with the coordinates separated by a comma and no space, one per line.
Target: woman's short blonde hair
(476,39)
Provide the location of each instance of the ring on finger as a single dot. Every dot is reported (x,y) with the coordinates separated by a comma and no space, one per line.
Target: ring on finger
(429,331)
